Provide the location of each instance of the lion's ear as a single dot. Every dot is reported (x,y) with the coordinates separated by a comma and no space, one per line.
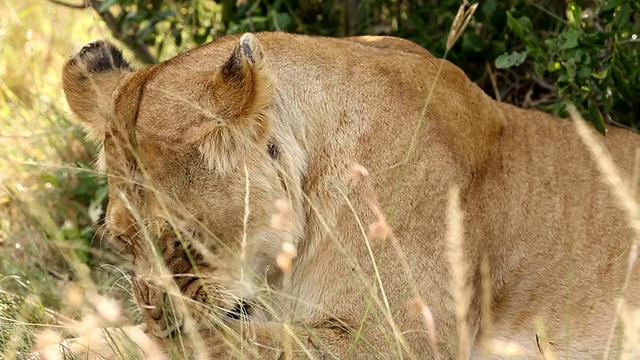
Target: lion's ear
(240,95)
(243,87)
(89,80)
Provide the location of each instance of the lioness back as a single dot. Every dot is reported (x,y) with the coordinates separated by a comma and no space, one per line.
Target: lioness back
(307,181)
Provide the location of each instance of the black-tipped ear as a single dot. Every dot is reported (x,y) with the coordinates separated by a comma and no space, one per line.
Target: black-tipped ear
(246,56)
(89,79)
(244,85)
(241,94)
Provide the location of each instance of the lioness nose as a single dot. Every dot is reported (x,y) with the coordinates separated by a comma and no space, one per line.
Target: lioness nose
(160,312)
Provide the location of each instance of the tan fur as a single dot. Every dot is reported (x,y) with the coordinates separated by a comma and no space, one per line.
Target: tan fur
(187,147)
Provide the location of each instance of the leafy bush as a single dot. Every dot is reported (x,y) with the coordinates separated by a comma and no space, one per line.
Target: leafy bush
(592,61)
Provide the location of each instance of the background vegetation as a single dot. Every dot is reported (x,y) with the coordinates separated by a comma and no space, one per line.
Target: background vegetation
(531,53)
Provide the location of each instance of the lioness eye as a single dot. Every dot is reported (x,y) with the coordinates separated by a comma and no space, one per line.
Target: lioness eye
(272,150)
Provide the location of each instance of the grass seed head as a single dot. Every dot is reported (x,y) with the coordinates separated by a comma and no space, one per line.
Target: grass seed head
(282,218)
(379,229)
(285,258)
(46,345)
(358,172)
(108,308)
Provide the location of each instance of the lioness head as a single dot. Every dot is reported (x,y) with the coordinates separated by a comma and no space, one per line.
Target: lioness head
(195,173)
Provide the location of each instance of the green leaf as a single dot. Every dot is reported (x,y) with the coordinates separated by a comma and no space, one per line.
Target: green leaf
(146,31)
(612,4)
(596,39)
(521,26)
(539,68)
(596,117)
(281,21)
(584,73)
(622,16)
(553,66)
(601,75)
(106,5)
(622,83)
(573,13)
(569,69)
(524,29)
(571,39)
(506,61)
(473,43)
(488,7)
(515,25)
(200,38)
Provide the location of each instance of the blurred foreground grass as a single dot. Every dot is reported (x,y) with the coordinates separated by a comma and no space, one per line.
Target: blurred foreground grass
(49,210)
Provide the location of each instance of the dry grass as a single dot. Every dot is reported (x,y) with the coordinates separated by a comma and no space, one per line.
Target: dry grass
(37,220)
(48,204)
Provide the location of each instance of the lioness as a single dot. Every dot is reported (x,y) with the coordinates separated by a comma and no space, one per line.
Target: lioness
(295,191)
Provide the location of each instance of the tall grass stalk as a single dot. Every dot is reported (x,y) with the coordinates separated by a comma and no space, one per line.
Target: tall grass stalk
(461,289)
